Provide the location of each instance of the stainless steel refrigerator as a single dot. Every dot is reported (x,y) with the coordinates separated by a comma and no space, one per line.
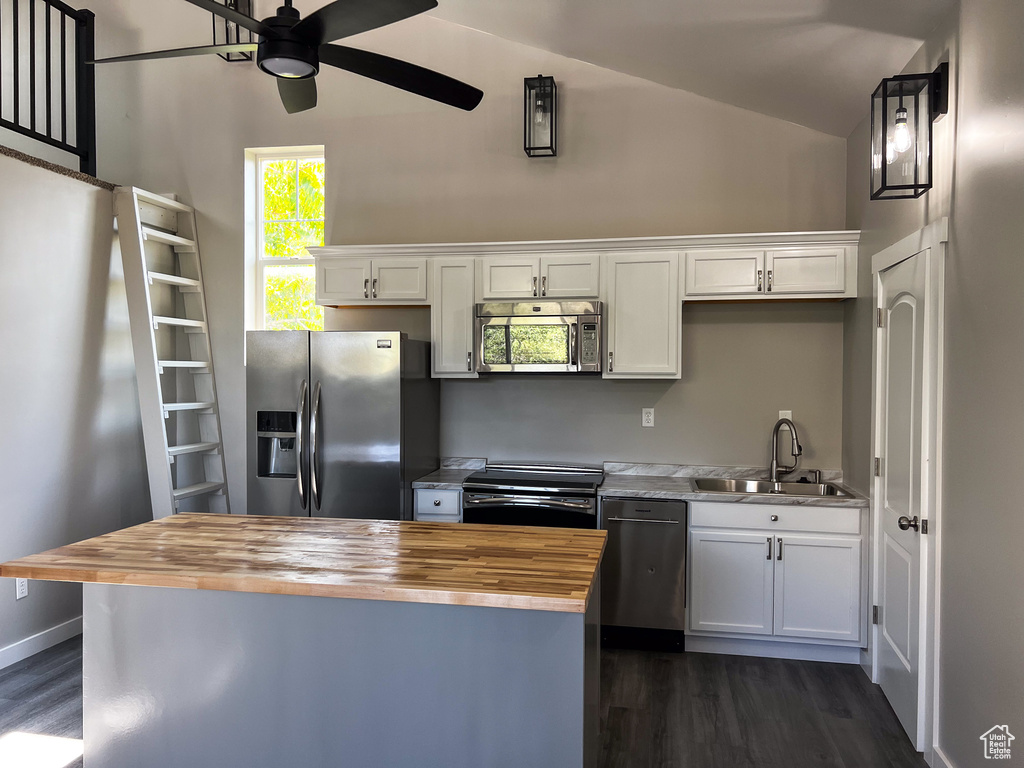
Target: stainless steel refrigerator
(340,423)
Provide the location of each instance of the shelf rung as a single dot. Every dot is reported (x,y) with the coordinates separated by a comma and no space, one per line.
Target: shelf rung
(179,407)
(192,366)
(196,490)
(181,450)
(179,243)
(180,282)
(181,322)
(162,202)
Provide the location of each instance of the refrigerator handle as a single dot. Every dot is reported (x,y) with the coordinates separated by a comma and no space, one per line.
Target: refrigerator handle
(300,428)
(314,473)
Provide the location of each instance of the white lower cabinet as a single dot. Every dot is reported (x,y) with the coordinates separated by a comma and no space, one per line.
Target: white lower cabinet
(784,580)
(437,506)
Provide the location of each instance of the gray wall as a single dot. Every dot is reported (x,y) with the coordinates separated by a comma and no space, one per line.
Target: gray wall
(71,461)
(742,364)
(635,159)
(980,159)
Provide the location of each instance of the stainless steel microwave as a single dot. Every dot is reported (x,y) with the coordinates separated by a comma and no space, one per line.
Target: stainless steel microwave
(538,337)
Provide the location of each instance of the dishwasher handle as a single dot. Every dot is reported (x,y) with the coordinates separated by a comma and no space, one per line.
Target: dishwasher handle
(640,520)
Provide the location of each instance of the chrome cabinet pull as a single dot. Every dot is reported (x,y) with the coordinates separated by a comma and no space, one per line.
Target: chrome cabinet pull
(760,280)
(469,362)
(769,548)
(314,474)
(611,362)
(375,287)
(779,557)
(535,286)
(299,421)
(770,280)
(544,286)
(437,502)
(640,520)
(775,518)
(366,288)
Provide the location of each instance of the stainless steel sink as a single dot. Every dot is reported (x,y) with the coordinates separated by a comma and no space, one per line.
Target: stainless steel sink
(730,485)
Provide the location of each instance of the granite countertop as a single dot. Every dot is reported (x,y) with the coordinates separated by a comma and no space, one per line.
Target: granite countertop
(543,569)
(661,481)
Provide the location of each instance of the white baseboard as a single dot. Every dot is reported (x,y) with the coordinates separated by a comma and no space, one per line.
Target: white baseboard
(773,650)
(48,638)
(936,758)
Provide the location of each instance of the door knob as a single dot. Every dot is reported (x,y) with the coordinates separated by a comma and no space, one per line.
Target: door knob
(905,523)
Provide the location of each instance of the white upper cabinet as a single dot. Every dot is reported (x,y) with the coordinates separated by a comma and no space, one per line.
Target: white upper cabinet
(563,276)
(347,280)
(644,315)
(509,277)
(340,281)
(804,270)
(399,280)
(451,318)
(723,273)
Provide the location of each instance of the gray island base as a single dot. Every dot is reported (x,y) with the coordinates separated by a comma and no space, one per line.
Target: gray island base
(185,678)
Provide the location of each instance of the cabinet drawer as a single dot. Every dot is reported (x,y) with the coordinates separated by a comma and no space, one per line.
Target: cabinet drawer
(436,505)
(790,517)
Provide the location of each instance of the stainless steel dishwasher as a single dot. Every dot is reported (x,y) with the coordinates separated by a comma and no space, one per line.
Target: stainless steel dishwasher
(643,575)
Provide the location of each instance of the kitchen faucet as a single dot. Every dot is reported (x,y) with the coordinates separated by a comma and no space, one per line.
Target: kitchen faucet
(775,469)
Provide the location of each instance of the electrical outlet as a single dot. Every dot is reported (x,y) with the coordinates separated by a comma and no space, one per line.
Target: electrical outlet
(647,417)
(21,587)
(786,415)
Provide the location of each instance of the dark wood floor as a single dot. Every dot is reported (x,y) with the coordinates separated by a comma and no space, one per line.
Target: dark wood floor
(657,710)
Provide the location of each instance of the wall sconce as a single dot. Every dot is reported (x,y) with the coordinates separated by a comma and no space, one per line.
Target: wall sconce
(228,33)
(540,118)
(903,109)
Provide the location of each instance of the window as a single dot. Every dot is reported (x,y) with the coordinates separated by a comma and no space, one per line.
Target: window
(289,217)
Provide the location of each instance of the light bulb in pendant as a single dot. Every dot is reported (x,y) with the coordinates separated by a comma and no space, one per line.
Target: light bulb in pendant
(539,113)
(901,138)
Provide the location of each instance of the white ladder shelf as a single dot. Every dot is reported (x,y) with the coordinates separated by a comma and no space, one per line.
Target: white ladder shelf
(173,356)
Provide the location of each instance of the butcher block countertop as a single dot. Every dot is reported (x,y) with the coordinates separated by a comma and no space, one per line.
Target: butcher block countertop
(542,569)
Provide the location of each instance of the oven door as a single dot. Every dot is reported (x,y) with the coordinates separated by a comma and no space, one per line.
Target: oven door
(549,344)
(522,509)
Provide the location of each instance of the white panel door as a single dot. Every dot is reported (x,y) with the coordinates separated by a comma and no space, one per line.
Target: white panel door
(817,587)
(902,298)
(806,270)
(717,273)
(399,279)
(509,277)
(570,277)
(644,315)
(451,317)
(731,582)
(342,280)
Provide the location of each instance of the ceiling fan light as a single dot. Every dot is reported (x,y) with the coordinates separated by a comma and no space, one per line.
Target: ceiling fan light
(282,66)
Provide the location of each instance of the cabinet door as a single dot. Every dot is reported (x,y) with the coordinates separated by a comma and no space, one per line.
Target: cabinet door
(644,316)
(717,273)
(509,277)
(817,587)
(806,270)
(731,581)
(570,277)
(451,318)
(400,279)
(342,280)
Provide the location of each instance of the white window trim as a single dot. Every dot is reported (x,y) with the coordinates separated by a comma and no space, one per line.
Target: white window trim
(254,290)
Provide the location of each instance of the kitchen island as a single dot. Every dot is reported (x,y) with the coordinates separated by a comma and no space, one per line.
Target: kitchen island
(230,640)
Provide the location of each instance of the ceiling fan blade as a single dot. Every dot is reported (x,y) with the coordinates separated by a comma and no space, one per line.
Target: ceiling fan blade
(174,53)
(247,22)
(297,95)
(343,18)
(401,74)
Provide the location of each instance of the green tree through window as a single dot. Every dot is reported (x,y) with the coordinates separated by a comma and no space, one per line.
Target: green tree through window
(291,217)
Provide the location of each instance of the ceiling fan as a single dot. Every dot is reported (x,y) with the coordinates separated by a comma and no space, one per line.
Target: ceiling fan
(292,48)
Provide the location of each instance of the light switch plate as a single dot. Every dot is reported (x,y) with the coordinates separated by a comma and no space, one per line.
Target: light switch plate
(647,417)
(21,585)
(786,415)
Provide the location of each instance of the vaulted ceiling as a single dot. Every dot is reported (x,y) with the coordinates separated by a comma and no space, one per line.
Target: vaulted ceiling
(812,62)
